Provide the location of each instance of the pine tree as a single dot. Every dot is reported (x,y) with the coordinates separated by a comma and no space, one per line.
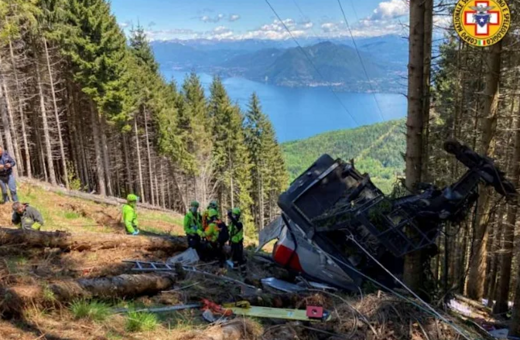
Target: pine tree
(268,173)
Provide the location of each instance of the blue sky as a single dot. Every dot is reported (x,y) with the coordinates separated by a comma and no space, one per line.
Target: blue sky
(243,19)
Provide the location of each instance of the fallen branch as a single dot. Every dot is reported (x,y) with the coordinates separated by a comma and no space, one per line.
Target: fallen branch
(16,299)
(85,241)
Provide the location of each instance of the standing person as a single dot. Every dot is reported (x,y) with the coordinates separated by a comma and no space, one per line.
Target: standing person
(216,235)
(193,227)
(212,205)
(130,215)
(6,176)
(236,240)
(27,217)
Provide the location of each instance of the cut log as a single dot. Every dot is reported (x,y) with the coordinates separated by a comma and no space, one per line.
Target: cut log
(86,196)
(16,299)
(89,241)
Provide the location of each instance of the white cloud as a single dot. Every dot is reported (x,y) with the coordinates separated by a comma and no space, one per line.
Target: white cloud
(363,28)
(390,10)
(207,18)
(171,34)
(307,25)
(277,31)
(233,17)
(442,21)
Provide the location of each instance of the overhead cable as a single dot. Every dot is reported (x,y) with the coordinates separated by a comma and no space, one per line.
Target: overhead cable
(310,61)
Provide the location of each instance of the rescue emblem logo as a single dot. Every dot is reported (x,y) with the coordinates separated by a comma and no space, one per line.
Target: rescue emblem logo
(481,22)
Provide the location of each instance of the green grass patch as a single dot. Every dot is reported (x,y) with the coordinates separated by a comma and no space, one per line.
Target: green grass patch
(71,215)
(182,320)
(154,230)
(48,294)
(92,310)
(14,264)
(141,322)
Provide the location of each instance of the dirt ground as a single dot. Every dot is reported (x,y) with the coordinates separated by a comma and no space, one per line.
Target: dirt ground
(366,317)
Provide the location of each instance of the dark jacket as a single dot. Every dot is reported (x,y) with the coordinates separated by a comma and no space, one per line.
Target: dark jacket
(28,219)
(6,159)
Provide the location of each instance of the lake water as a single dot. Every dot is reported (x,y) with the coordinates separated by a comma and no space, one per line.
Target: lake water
(298,113)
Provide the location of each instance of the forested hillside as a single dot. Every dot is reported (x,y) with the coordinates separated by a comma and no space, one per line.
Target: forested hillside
(83,107)
(377,149)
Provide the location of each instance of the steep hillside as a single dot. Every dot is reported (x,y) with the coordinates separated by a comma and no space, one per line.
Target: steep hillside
(377,149)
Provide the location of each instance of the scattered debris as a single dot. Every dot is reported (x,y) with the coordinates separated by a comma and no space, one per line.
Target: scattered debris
(186,258)
(158,309)
(282,285)
(280,313)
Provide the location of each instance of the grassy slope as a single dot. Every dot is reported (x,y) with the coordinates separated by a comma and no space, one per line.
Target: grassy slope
(377,149)
(61,212)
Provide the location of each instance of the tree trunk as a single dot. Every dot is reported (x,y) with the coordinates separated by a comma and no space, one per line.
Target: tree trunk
(57,117)
(477,273)
(12,128)
(501,305)
(46,132)
(139,168)
(496,260)
(5,116)
(19,91)
(82,242)
(260,199)
(105,151)
(150,173)
(163,183)
(427,50)
(101,188)
(414,275)
(16,299)
(129,178)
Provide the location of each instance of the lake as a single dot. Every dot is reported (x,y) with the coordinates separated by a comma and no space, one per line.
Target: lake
(298,113)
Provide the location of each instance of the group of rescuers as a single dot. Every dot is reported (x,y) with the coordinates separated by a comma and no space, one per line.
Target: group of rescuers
(206,232)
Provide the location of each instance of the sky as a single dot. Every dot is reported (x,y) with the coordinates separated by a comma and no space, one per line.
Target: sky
(254,19)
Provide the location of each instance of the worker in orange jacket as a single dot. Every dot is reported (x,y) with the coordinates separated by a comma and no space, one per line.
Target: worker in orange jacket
(216,234)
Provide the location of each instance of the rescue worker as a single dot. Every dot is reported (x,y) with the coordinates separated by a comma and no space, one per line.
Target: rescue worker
(130,215)
(193,227)
(212,205)
(26,216)
(236,240)
(216,235)
(6,176)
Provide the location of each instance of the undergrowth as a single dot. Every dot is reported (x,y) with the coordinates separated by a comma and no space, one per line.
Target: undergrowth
(141,322)
(93,310)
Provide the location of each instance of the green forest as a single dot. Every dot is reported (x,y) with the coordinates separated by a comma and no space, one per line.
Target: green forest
(85,107)
(376,149)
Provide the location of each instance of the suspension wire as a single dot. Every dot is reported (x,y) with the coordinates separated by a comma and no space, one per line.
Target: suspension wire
(310,61)
(304,17)
(362,63)
(429,309)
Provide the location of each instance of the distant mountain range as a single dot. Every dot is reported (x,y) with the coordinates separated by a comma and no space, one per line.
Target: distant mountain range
(334,63)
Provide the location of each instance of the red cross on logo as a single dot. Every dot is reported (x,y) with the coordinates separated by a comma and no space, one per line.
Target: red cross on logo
(470,19)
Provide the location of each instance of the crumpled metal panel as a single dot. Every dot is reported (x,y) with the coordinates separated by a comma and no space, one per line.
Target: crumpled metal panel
(186,258)
(270,232)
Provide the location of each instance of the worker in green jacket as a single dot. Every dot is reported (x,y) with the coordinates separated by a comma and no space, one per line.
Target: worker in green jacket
(236,240)
(130,215)
(205,216)
(193,227)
